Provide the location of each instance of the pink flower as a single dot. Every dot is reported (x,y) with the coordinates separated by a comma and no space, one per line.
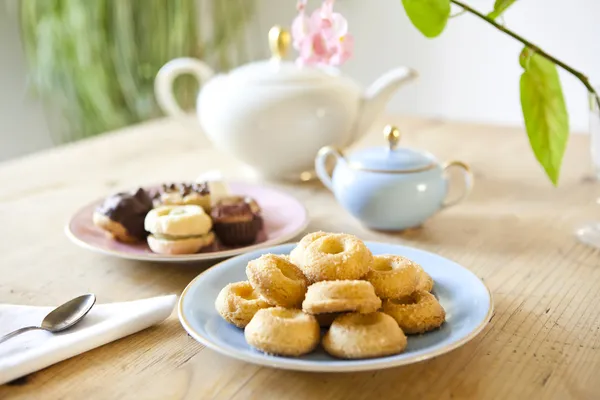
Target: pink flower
(343,50)
(300,29)
(322,39)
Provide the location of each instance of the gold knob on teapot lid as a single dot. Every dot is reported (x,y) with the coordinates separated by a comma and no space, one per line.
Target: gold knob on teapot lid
(392,135)
(279,41)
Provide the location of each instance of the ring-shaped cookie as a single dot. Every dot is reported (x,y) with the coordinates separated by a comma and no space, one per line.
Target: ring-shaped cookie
(283,331)
(418,313)
(425,281)
(336,257)
(355,336)
(393,276)
(279,281)
(297,253)
(238,302)
(341,296)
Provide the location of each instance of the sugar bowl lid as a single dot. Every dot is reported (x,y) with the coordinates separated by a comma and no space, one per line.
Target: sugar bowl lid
(392,158)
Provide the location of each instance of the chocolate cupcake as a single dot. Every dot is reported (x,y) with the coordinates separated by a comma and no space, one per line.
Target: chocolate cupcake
(236,220)
(183,194)
(122,215)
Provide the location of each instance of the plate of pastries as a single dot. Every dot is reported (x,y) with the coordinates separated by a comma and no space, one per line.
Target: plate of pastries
(188,221)
(335,303)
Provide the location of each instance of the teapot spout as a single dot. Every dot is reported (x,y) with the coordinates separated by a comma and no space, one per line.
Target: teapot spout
(377,96)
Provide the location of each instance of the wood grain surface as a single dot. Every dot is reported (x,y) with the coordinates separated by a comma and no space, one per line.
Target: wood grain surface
(515,232)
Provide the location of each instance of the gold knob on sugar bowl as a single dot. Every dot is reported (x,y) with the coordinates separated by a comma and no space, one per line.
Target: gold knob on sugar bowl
(392,135)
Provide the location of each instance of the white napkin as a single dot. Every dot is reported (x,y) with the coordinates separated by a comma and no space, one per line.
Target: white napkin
(35,350)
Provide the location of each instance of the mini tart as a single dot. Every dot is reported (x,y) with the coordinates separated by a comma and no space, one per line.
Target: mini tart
(238,302)
(341,296)
(279,281)
(174,194)
(122,216)
(282,331)
(418,313)
(393,276)
(237,220)
(355,336)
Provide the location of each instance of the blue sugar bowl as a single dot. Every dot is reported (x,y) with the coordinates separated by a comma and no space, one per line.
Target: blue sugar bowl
(390,188)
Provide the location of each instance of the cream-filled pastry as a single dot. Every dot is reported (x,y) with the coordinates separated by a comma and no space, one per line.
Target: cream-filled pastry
(180,229)
(184,194)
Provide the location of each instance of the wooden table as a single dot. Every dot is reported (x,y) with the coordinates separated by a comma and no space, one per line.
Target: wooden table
(514,231)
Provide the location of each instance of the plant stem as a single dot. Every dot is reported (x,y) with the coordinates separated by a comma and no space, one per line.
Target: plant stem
(584,79)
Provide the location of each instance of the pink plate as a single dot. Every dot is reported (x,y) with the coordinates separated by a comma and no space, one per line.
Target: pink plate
(284,218)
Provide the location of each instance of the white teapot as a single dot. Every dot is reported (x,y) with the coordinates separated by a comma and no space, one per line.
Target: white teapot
(273,115)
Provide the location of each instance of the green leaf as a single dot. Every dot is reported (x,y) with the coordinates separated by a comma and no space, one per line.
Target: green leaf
(544,111)
(499,7)
(428,16)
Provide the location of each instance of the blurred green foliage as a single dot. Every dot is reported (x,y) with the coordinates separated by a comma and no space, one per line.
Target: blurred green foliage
(94,61)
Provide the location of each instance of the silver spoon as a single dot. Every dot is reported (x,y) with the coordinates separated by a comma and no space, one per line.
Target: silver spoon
(62,317)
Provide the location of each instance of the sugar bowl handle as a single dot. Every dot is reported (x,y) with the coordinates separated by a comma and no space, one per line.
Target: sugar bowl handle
(321,164)
(468,179)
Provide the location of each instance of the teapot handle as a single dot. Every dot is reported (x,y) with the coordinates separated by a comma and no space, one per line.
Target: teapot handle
(321,167)
(163,84)
(468,177)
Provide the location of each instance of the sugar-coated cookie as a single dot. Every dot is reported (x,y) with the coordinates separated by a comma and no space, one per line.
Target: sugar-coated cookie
(393,276)
(238,302)
(282,331)
(336,256)
(418,313)
(425,282)
(279,281)
(357,335)
(341,296)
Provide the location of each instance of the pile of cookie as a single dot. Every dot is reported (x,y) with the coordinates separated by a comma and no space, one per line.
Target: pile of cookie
(367,303)
(180,218)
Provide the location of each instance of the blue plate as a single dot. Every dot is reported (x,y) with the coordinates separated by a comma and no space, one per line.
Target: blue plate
(467,301)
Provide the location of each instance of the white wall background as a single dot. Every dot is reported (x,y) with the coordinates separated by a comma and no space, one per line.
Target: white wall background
(470,73)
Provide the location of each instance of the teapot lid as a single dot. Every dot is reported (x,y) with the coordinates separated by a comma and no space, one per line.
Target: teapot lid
(276,70)
(392,158)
